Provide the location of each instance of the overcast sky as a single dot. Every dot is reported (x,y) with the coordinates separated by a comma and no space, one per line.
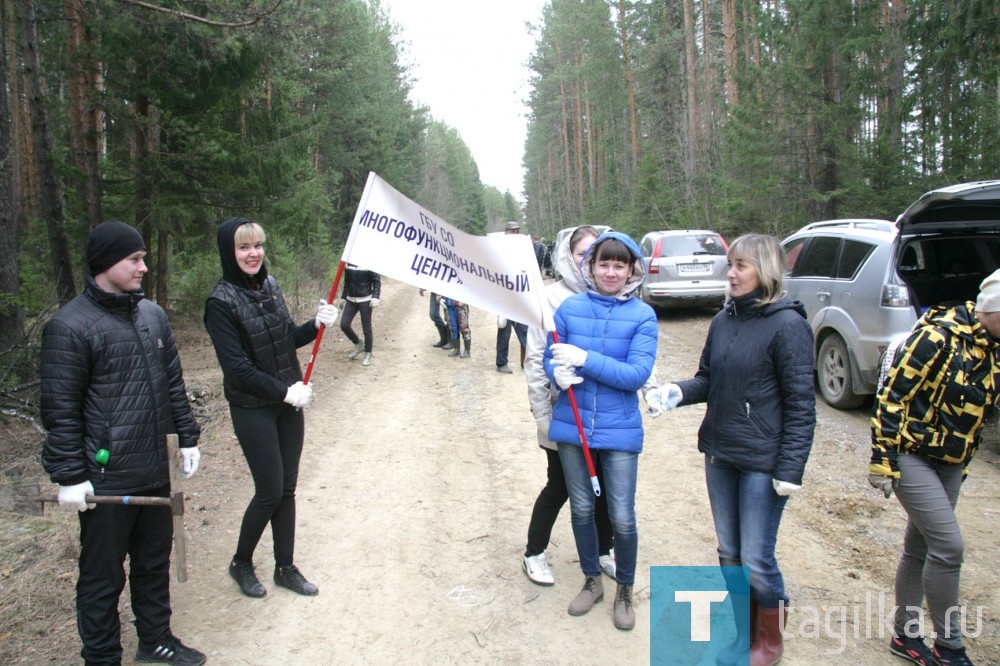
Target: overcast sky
(468,60)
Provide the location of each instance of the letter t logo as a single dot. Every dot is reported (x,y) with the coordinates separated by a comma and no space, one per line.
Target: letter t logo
(701,610)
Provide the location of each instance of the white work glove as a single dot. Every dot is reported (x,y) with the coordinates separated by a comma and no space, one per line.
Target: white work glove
(374,303)
(76,496)
(664,397)
(326,315)
(501,322)
(566,377)
(543,424)
(299,395)
(784,488)
(570,356)
(653,407)
(190,457)
(883,483)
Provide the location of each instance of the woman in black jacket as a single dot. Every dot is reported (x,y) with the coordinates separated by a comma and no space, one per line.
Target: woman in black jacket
(756,376)
(255,341)
(359,294)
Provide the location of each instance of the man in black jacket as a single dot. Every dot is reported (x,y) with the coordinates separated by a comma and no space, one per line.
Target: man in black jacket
(112,390)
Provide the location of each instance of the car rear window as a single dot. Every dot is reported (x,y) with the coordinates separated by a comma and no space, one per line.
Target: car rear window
(831,257)
(686,246)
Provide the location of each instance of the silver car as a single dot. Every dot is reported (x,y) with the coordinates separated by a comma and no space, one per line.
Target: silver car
(841,270)
(684,267)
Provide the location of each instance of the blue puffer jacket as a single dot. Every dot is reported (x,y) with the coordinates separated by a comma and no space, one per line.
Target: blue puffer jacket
(756,374)
(619,333)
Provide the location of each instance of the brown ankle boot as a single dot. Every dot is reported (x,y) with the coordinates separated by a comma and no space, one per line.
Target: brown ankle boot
(769,644)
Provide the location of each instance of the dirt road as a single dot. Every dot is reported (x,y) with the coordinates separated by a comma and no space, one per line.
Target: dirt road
(416,487)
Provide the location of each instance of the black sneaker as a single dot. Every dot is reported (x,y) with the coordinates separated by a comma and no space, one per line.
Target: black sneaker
(944,656)
(912,648)
(289,576)
(168,651)
(243,574)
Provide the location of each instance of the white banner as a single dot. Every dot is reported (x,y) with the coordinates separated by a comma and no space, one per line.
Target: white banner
(395,237)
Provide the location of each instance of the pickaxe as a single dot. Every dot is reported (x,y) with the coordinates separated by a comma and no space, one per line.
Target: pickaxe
(30,499)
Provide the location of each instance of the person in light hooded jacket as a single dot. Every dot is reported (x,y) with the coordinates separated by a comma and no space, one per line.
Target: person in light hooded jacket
(606,350)
(756,376)
(541,396)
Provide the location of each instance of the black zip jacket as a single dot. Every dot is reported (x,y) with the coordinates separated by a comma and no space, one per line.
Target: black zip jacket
(111,379)
(756,376)
(360,283)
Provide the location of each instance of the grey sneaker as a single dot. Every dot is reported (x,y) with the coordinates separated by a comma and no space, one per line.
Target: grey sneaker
(358,348)
(592,592)
(624,614)
(367,360)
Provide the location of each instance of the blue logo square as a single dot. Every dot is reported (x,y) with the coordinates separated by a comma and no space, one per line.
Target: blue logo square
(691,614)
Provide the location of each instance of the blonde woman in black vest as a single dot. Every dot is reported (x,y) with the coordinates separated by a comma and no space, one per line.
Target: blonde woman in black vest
(255,341)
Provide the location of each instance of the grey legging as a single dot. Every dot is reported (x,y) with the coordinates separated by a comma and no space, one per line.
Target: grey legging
(932,547)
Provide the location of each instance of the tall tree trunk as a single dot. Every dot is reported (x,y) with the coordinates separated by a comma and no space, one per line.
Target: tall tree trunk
(142,195)
(729,48)
(11,311)
(578,121)
(84,112)
(51,191)
(629,90)
(690,73)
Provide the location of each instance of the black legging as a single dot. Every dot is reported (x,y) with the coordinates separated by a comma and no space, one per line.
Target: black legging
(350,309)
(271,439)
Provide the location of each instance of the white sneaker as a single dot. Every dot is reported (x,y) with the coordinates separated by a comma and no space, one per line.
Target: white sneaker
(538,570)
(358,348)
(367,360)
(608,563)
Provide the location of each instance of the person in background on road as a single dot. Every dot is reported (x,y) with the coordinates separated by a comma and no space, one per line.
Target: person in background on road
(458,318)
(539,251)
(112,389)
(756,376)
(255,340)
(504,326)
(359,294)
(606,352)
(435,314)
(541,396)
(926,427)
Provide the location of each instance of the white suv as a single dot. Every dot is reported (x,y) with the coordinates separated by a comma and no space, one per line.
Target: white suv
(842,272)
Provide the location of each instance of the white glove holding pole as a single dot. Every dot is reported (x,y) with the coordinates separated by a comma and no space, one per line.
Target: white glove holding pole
(190,457)
(76,495)
(299,395)
(326,315)
(566,377)
(785,488)
(570,356)
(501,322)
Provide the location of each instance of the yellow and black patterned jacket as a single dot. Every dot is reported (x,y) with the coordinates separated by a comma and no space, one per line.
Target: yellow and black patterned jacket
(942,382)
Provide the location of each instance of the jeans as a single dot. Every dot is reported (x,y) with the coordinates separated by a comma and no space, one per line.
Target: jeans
(747,513)
(435,311)
(551,499)
(503,340)
(933,549)
(347,318)
(620,471)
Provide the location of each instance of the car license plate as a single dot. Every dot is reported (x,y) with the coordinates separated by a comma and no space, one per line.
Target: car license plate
(694,268)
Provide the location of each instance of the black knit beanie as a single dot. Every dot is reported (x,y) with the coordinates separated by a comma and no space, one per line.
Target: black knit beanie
(110,242)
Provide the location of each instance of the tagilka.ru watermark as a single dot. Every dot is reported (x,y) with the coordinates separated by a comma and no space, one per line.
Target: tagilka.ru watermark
(694,612)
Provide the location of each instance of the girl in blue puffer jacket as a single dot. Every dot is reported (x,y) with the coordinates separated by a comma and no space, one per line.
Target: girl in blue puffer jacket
(606,352)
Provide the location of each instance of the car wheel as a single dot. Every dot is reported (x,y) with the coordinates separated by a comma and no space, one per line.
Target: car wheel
(834,374)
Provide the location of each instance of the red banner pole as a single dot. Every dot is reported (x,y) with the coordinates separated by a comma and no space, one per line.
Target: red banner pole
(319,333)
(595,484)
